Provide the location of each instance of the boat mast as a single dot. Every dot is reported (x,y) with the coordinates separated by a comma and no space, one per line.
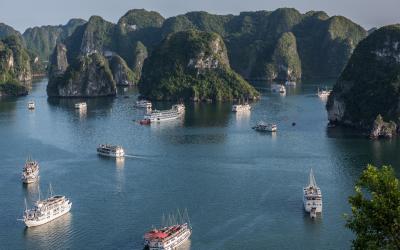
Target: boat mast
(312,181)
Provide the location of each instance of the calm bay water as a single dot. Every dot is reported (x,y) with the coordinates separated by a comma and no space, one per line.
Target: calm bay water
(243,189)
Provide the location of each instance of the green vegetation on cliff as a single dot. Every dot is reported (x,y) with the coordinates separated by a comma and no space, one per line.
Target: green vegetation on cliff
(323,44)
(42,40)
(369,85)
(192,65)
(15,70)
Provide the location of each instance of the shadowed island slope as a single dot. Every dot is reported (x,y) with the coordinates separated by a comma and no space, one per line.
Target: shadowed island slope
(192,65)
(366,95)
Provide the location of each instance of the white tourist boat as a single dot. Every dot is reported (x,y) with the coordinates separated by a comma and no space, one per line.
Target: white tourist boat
(46,210)
(241,107)
(31,105)
(80,105)
(110,150)
(265,127)
(312,197)
(144,104)
(323,93)
(278,88)
(30,172)
(290,83)
(165,115)
(167,238)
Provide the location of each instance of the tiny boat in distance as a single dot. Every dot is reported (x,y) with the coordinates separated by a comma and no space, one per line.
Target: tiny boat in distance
(167,238)
(110,150)
(241,107)
(144,104)
(290,83)
(30,173)
(312,197)
(165,115)
(323,93)
(47,210)
(265,127)
(278,88)
(31,105)
(80,105)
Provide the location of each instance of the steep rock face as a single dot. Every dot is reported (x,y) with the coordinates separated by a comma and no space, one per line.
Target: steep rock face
(137,19)
(285,63)
(323,44)
(122,74)
(42,40)
(15,69)
(90,76)
(6,30)
(140,54)
(381,129)
(369,85)
(192,65)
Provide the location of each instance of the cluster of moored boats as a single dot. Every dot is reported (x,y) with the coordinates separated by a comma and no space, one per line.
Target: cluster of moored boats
(154,116)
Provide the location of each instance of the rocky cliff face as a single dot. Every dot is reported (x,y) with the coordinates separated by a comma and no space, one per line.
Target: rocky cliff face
(90,76)
(15,69)
(42,40)
(122,74)
(319,45)
(369,86)
(285,63)
(192,65)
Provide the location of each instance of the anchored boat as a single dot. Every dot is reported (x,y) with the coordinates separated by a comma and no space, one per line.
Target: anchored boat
(81,105)
(31,105)
(144,104)
(110,150)
(164,115)
(312,197)
(323,93)
(278,88)
(241,107)
(30,172)
(46,210)
(265,127)
(168,237)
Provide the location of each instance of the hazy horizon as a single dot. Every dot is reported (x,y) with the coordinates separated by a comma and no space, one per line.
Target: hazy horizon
(47,12)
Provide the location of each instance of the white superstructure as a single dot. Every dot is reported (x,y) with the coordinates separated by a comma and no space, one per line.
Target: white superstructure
(144,104)
(30,173)
(167,238)
(241,107)
(164,115)
(323,93)
(265,127)
(31,105)
(81,105)
(46,210)
(312,197)
(110,150)
(278,88)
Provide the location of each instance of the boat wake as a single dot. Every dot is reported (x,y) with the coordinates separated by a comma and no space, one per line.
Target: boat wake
(135,156)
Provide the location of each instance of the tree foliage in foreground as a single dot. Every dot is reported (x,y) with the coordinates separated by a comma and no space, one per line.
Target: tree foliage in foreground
(375,218)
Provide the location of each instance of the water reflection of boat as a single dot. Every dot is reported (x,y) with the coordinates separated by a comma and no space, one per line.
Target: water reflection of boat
(290,83)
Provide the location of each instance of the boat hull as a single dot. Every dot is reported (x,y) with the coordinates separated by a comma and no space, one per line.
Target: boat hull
(174,244)
(35,223)
(310,204)
(30,180)
(111,154)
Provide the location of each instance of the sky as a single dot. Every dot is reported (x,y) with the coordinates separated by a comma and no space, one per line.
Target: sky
(22,14)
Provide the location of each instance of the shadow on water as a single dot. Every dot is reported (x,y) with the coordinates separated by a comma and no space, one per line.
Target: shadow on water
(102,105)
(208,114)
